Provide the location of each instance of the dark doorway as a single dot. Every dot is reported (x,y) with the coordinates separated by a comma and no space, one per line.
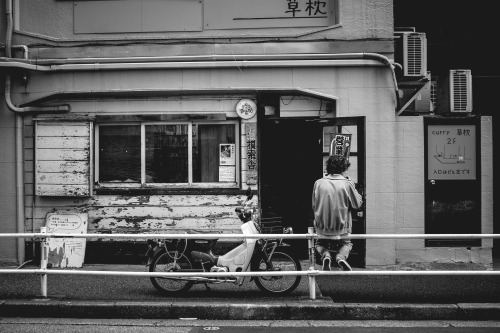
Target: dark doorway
(293,154)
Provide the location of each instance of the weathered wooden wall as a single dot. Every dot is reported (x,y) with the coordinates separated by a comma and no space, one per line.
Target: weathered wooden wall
(147,214)
(63,159)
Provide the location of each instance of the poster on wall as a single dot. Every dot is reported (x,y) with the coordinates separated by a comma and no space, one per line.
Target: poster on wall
(227,152)
(451,152)
(66,252)
(341,145)
(227,173)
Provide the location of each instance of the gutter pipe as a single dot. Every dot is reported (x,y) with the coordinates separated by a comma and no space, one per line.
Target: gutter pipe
(20,216)
(203,61)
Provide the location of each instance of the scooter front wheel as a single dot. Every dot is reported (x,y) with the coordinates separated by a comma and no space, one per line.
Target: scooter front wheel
(280,261)
(168,262)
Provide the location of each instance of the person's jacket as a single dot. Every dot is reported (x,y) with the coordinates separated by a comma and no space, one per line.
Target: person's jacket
(332,199)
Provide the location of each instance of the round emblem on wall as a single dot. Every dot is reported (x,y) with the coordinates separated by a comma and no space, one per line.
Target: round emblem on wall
(246,108)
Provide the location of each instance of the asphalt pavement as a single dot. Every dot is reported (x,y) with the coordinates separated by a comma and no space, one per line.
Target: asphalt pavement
(345,297)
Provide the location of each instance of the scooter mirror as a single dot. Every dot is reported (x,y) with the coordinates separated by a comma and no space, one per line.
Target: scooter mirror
(249,193)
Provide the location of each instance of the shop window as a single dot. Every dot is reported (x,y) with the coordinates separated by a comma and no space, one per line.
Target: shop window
(158,154)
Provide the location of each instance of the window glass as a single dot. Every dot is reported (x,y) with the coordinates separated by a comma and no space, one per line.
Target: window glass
(120,154)
(167,154)
(211,162)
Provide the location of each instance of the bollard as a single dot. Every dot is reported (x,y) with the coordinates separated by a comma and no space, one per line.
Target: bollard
(312,278)
(44,260)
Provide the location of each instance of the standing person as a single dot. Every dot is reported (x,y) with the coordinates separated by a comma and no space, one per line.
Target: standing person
(333,198)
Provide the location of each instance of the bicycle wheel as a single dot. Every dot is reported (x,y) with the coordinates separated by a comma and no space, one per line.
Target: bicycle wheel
(164,262)
(280,261)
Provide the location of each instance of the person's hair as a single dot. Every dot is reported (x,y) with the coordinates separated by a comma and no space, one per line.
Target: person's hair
(337,164)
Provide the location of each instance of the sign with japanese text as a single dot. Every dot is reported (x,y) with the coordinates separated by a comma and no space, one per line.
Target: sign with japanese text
(227,153)
(341,145)
(227,173)
(251,133)
(451,152)
(241,14)
(66,252)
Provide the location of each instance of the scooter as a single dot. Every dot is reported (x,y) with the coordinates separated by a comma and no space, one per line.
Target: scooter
(196,255)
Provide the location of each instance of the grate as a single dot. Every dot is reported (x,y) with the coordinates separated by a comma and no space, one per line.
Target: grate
(414,54)
(271,225)
(460,82)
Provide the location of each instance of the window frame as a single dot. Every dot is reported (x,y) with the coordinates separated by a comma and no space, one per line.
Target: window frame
(190,183)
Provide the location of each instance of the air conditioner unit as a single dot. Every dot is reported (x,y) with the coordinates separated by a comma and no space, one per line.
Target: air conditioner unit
(460,90)
(423,101)
(411,52)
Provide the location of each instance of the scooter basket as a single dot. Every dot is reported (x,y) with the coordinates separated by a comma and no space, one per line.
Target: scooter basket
(271,225)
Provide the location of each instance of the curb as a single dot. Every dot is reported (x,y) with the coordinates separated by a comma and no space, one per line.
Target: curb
(322,309)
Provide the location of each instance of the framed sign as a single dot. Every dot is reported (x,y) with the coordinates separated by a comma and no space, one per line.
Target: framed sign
(451,152)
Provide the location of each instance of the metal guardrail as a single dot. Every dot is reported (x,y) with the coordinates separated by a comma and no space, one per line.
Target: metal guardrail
(310,236)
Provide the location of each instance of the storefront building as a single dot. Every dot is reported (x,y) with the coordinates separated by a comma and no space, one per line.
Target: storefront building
(157,116)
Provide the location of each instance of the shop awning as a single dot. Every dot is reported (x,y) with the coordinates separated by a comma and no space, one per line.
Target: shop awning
(258,92)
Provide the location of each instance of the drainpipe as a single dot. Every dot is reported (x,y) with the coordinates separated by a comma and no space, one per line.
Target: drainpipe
(19,132)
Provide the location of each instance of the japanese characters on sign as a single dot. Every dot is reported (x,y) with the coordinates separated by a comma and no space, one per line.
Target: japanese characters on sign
(227,162)
(341,145)
(451,152)
(235,14)
(251,133)
(66,252)
(246,108)
(309,8)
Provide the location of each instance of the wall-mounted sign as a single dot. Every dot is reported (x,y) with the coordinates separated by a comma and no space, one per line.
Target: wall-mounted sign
(238,14)
(341,145)
(451,152)
(251,133)
(246,108)
(66,252)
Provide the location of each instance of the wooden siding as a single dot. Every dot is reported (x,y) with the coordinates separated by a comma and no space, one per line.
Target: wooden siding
(147,214)
(63,159)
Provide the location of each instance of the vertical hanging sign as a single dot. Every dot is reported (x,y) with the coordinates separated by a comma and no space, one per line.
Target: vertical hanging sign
(251,133)
(341,145)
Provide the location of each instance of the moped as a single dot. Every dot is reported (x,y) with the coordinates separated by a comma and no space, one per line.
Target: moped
(196,255)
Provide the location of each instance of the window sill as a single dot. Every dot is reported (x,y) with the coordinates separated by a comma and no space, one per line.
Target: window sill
(137,189)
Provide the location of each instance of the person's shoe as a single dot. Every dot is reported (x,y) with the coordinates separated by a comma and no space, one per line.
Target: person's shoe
(344,265)
(327,264)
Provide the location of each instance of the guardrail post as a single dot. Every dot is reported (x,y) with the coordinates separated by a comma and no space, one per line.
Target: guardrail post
(44,260)
(312,278)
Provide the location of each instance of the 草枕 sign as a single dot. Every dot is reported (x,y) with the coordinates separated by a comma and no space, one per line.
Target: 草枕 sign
(451,152)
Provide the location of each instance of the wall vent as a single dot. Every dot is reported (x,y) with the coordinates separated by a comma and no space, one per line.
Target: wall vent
(460,90)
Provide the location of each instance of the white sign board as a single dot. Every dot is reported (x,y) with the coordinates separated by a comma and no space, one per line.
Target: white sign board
(66,252)
(451,152)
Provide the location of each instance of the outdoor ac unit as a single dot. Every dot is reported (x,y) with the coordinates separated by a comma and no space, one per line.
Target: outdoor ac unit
(411,50)
(460,90)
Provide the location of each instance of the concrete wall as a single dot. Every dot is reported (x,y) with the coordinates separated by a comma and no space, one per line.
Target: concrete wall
(8,219)
(360,19)
(403,210)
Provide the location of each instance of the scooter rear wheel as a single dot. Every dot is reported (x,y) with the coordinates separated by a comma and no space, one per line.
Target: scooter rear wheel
(164,262)
(280,261)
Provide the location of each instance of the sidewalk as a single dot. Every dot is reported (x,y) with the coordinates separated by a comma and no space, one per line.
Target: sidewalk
(71,296)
